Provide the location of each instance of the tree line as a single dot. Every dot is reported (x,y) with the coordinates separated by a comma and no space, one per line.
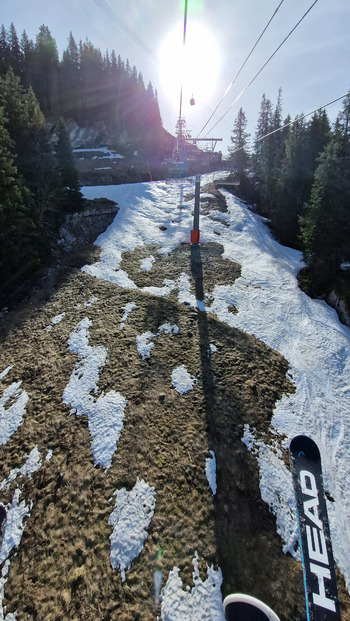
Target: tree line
(38,178)
(298,174)
(85,86)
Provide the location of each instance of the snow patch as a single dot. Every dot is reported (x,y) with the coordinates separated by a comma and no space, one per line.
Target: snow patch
(11,417)
(210,472)
(130,519)
(144,344)
(271,307)
(16,512)
(5,372)
(106,412)
(31,465)
(54,321)
(202,602)
(146,264)
(127,310)
(181,380)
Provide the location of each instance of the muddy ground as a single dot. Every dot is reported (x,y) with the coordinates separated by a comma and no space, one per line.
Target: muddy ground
(61,569)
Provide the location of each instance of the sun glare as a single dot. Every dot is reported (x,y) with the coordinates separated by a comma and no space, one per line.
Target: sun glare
(193,66)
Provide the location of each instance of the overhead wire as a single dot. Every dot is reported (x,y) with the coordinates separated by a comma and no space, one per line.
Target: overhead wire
(183,44)
(118,20)
(265,64)
(240,69)
(296,120)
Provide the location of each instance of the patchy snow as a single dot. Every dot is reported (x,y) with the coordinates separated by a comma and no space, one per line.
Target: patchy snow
(11,417)
(130,519)
(144,344)
(181,380)
(106,412)
(55,320)
(31,465)
(167,328)
(16,513)
(146,264)
(202,602)
(90,301)
(108,154)
(210,471)
(272,308)
(127,310)
(5,371)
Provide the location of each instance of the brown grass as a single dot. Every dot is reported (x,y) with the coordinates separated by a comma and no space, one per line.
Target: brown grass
(62,569)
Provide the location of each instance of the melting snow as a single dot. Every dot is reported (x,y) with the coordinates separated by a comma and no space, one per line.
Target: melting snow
(146,264)
(31,465)
(182,380)
(11,417)
(210,471)
(106,412)
(55,320)
(127,310)
(202,602)
(5,372)
(130,519)
(270,306)
(144,344)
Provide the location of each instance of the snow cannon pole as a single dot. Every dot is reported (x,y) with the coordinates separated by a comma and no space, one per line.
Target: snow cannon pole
(195,230)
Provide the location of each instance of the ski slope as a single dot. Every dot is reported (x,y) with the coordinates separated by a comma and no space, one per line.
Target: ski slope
(273,309)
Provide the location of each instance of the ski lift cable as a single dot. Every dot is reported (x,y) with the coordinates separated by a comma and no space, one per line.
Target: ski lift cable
(183,44)
(296,120)
(265,64)
(240,69)
(118,20)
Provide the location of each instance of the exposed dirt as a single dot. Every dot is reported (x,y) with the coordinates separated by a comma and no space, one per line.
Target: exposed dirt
(62,568)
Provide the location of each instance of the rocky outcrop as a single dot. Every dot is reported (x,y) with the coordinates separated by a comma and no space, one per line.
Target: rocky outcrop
(85,226)
(338,304)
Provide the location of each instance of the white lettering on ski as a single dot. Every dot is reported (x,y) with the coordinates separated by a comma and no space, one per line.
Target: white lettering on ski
(316,541)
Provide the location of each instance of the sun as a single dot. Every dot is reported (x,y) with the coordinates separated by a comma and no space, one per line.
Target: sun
(193,66)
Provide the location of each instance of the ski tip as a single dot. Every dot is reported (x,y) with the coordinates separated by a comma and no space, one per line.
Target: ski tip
(240,607)
(3,519)
(303,446)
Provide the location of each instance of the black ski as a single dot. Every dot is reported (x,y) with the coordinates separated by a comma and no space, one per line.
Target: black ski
(322,603)
(3,519)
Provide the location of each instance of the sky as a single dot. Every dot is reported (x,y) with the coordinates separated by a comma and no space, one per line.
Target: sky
(311,67)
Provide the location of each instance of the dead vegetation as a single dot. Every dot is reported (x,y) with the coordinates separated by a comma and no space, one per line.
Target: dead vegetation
(62,569)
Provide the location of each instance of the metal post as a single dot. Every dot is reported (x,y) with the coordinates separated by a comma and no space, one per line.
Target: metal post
(195,230)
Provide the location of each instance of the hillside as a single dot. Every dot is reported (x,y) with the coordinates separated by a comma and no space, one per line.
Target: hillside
(130,376)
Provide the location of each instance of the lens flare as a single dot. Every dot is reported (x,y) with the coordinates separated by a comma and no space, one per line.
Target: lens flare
(194,67)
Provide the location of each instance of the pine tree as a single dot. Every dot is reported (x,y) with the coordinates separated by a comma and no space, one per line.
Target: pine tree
(291,187)
(325,227)
(46,72)
(264,157)
(4,51)
(18,256)
(239,139)
(27,50)
(70,80)
(72,197)
(16,59)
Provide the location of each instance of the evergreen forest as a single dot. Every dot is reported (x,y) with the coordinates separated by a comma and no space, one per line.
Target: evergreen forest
(297,173)
(39,93)
(298,176)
